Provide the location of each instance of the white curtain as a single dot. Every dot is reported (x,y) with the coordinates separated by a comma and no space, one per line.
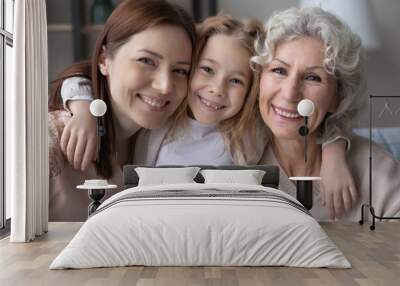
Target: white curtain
(26,124)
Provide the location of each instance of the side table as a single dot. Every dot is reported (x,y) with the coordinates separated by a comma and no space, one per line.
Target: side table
(95,193)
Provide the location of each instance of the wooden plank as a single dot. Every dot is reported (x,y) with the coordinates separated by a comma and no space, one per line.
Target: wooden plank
(375,257)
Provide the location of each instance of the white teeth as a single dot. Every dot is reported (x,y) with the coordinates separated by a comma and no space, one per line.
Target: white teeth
(153,102)
(209,104)
(293,115)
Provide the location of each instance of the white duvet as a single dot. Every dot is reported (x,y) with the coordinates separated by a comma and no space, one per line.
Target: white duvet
(207,230)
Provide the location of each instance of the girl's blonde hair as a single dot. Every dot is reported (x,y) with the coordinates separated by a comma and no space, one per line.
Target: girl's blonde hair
(241,131)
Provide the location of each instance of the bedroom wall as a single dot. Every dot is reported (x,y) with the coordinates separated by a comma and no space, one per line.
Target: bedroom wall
(60,47)
(382,66)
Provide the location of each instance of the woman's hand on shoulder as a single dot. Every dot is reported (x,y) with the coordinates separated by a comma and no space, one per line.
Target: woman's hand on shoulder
(79,137)
(338,193)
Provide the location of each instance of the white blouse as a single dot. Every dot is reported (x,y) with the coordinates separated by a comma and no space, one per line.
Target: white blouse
(201,144)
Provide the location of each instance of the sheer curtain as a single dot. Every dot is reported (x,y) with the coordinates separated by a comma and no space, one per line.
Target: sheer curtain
(26,119)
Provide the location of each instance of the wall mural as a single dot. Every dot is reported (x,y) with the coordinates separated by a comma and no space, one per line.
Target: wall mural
(164,93)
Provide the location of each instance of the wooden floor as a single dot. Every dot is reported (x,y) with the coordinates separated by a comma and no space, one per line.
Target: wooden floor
(374,255)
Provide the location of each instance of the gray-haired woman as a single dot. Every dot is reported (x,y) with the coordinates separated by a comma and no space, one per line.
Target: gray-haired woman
(310,54)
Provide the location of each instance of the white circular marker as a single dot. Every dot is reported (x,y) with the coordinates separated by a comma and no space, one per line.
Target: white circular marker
(305,107)
(98,107)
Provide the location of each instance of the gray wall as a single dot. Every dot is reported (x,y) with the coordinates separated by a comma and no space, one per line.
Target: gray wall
(59,43)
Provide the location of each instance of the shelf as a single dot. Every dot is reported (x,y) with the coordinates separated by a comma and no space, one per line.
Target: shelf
(92,28)
(68,28)
(59,28)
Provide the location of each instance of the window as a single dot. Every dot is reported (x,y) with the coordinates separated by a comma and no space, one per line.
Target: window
(6,44)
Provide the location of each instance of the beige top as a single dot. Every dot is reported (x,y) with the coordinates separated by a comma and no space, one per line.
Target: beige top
(385,184)
(66,202)
(149,143)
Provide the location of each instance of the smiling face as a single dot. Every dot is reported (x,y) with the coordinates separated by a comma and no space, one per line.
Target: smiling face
(148,76)
(221,80)
(296,72)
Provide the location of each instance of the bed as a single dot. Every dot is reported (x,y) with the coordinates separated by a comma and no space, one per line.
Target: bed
(202,222)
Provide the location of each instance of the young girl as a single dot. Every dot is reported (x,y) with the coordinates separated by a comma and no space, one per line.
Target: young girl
(223,125)
(222,99)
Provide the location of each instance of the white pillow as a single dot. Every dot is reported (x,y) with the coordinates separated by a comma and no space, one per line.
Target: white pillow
(163,176)
(248,177)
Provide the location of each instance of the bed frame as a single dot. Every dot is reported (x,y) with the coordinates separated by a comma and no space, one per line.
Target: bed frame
(270,179)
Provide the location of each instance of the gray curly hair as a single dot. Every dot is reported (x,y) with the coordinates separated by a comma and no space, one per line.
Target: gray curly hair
(343,58)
